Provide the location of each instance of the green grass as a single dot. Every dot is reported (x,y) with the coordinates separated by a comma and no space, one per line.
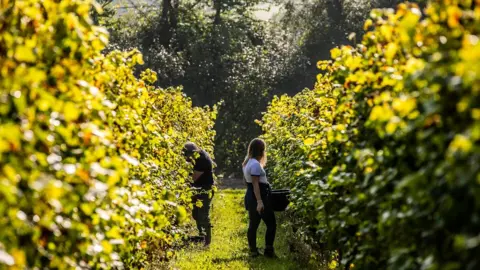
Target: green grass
(229,249)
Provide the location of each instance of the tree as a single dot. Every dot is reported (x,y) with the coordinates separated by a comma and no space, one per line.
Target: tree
(103,10)
(315,27)
(218,51)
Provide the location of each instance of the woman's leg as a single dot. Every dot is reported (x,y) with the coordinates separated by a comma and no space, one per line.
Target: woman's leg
(254,221)
(268,217)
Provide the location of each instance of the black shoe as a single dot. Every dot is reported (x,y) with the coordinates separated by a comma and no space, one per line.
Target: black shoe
(270,253)
(206,243)
(254,254)
(197,239)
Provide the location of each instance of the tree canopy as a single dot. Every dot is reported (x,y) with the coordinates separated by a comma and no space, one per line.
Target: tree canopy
(219,51)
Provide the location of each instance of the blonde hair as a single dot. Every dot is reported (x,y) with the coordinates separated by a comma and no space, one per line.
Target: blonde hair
(257,149)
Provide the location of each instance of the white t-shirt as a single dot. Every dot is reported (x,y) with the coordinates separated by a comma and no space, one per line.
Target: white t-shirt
(253,168)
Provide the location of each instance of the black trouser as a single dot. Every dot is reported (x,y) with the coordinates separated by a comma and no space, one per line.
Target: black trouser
(202,214)
(268,217)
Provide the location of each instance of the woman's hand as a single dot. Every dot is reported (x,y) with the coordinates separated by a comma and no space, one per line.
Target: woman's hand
(260,206)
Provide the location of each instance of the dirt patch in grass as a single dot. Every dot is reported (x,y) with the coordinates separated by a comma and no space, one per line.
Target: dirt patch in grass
(231,183)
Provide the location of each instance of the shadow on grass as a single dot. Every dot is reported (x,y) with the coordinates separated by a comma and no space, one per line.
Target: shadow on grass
(230,259)
(255,263)
(229,249)
(235,191)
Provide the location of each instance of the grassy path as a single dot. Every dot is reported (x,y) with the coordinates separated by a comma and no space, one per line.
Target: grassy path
(229,245)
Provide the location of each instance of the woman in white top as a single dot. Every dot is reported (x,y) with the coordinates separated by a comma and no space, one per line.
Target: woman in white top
(256,198)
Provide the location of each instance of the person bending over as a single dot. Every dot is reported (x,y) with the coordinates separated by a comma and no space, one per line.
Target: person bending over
(203,188)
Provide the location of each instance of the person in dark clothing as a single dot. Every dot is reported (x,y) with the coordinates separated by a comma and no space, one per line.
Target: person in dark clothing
(256,198)
(203,188)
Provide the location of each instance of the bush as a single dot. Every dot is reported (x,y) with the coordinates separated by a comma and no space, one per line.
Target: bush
(385,150)
(91,171)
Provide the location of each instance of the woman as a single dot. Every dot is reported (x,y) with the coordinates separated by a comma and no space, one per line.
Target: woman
(256,198)
(202,183)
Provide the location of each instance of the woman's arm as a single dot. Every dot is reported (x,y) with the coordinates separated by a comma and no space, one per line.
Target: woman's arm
(256,191)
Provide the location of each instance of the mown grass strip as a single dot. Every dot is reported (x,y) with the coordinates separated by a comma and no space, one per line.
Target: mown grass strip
(229,249)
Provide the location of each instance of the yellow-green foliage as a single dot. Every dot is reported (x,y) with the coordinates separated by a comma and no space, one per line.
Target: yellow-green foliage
(91,173)
(382,156)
